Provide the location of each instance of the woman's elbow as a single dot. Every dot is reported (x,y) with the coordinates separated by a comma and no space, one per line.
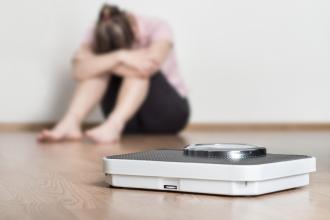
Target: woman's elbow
(152,71)
(77,74)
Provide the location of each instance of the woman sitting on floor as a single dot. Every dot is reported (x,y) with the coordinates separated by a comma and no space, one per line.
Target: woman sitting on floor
(127,64)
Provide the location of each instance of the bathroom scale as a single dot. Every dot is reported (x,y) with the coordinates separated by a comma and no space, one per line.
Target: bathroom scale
(223,169)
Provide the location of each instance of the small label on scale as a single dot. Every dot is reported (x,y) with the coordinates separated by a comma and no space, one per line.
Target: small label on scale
(171,187)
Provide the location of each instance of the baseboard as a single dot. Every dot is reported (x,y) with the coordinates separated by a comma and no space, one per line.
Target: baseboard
(19,127)
(16,127)
(257,126)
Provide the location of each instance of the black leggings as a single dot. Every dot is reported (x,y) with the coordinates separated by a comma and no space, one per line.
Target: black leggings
(164,111)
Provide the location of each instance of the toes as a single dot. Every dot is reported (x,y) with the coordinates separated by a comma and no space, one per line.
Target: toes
(51,136)
(102,135)
(42,136)
(56,136)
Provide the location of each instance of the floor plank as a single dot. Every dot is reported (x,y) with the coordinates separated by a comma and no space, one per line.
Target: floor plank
(65,180)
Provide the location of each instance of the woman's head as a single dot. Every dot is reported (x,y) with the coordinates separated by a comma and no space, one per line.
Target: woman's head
(113,30)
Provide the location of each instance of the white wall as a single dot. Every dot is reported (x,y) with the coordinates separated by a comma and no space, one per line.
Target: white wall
(244,61)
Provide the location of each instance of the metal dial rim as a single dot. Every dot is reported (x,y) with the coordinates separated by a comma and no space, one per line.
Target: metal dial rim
(225,151)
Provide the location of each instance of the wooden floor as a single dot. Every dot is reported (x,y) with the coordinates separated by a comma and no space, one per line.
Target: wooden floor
(65,181)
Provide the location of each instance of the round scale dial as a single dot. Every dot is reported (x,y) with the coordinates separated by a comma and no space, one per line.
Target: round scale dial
(225,151)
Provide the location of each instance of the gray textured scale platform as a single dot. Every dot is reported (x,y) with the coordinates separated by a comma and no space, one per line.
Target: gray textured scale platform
(227,169)
(173,155)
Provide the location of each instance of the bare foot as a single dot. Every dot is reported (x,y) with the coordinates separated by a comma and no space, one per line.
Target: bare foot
(65,130)
(108,132)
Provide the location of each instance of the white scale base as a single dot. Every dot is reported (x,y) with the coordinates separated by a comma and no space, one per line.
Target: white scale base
(242,188)
(235,180)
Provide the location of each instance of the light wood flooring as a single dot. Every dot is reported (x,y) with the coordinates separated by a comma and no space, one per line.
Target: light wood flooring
(65,180)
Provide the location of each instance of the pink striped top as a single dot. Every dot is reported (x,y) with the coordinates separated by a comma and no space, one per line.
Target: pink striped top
(150,30)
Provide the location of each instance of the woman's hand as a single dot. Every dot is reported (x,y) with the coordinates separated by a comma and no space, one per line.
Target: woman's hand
(140,60)
(83,53)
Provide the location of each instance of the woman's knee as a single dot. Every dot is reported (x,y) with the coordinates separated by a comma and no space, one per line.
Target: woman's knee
(133,82)
(167,121)
(100,78)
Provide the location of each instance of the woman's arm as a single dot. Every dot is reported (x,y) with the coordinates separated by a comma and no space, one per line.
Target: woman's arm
(136,63)
(159,51)
(132,65)
(86,64)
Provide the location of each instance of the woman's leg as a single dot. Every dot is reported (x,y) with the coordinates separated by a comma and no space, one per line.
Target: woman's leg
(164,111)
(132,94)
(87,95)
